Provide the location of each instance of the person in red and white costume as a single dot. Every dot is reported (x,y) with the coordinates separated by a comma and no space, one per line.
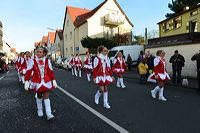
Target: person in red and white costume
(119,68)
(88,65)
(160,75)
(78,65)
(102,75)
(40,78)
(27,58)
(17,65)
(22,67)
(72,63)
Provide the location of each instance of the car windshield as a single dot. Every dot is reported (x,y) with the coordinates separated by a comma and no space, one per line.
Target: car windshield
(112,53)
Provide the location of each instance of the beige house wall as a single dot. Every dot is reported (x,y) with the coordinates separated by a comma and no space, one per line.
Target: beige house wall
(68,37)
(187,50)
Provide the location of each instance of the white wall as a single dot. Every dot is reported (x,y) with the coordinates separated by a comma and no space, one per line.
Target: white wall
(187,51)
(96,22)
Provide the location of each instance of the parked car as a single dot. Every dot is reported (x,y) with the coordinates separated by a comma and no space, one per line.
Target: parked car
(66,64)
(58,63)
(133,50)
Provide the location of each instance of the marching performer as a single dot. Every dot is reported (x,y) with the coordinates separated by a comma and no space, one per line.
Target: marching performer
(17,66)
(119,68)
(160,75)
(42,81)
(72,63)
(102,74)
(22,67)
(88,65)
(78,65)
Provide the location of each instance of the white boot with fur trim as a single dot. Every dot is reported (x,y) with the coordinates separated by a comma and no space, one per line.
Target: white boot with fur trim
(39,107)
(105,98)
(48,109)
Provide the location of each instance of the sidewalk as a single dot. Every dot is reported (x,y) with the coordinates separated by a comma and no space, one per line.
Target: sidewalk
(134,75)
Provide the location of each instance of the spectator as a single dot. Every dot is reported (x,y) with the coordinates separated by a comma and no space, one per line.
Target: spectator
(150,62)
(143,67)
(178,62)
(129,62)
(141,57)
(196,58)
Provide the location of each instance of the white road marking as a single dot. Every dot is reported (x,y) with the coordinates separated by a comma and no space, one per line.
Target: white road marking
(2,77)
(102,117)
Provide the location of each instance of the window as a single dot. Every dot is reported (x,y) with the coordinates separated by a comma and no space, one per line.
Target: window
(70,35)
(166,26)
(71,48)
(195,12)
(67,22)
(177,22)
(66,50)
(192,26)
(66,37)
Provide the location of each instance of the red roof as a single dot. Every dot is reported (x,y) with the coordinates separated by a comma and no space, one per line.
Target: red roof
(51,36)
(79,15)
(76,13)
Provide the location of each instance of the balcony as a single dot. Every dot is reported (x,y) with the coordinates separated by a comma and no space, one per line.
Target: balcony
(114,19)
(175,40)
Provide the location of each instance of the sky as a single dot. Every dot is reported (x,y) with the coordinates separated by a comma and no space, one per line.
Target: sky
(26,21)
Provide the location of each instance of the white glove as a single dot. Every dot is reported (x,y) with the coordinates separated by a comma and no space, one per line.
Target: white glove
(26,85)
(54,83)
(24,71)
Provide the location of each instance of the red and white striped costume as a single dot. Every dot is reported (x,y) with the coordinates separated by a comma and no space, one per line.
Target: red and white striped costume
(72,62)
(87,63)
(78,62)
(102,71)
(119,66)
(159,70)
(40,74)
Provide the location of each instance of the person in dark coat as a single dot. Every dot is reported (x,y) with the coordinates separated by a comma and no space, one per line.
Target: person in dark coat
(196,58)
(178,61)
(150,62)
(129,62)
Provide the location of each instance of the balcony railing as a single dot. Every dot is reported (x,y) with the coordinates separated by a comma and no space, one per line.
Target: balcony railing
(175,39)
(114,19)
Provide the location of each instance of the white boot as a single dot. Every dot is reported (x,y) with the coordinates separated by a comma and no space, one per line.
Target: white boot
(48,109)
(72,71)
(88,77)
(118,83)
(105,98)
(75,71)
(154,91)
(97,96)
(23,81)
(39,107)
(122,83)
(161,97)
(79,73)
(19,76)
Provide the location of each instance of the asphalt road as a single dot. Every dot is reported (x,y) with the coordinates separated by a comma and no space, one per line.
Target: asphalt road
(133,109)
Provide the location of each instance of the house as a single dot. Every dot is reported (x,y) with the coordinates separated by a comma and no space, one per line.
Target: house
(106,20)
(58,43)
(44,40)
(50,45)
(180,32)
(184,22)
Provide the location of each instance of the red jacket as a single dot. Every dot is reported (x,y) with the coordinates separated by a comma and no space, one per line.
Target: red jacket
(36,77)
(98,68)
(72,61)
(159,66)
(78,61)
(88,60)
(118,65)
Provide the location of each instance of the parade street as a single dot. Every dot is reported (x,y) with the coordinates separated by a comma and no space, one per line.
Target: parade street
(132,109)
